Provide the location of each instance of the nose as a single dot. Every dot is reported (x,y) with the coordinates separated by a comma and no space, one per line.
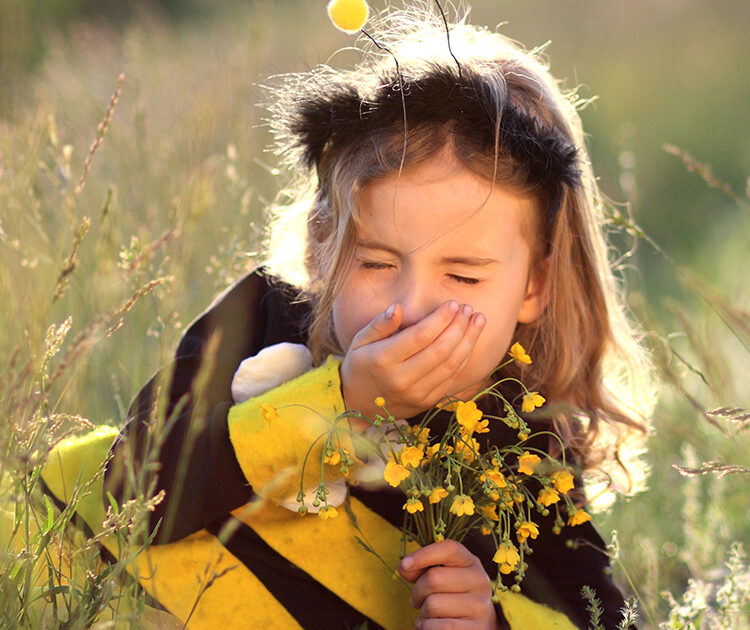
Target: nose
(418,296)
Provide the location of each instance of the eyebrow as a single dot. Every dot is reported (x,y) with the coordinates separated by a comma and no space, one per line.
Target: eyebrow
(469,261)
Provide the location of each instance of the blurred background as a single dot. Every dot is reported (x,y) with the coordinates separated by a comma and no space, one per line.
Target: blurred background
(178,187)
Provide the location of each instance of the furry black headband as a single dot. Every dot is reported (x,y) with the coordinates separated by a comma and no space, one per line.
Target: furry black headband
(341,114)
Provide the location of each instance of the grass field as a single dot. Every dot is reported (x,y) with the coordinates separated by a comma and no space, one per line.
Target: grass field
(124,243)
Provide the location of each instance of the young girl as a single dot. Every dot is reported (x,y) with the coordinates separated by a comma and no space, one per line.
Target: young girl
(445,209)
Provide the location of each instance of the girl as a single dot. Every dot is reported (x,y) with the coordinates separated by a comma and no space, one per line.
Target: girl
(446,208)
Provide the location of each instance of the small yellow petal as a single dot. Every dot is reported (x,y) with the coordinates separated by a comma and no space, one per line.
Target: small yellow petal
(507,557)
(581,516)
(395,473)
(333,457)
(531,401)
(411,456)
(379,401)
(527,463)
(518,352)
(327,511)
(548,496)
(269,412)
(468,416)
(438,494)
(413,506)
(563,481)
(527,529)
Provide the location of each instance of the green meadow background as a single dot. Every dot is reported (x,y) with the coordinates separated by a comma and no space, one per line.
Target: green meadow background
(175,193)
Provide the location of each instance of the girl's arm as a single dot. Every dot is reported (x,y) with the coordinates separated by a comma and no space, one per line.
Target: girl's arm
(195,464)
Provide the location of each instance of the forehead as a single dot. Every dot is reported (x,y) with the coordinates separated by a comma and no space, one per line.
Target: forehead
(441,202)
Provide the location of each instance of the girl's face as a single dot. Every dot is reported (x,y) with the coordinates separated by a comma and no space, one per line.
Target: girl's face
(439,232)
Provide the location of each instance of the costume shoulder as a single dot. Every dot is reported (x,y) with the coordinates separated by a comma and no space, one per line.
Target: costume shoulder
(195,457)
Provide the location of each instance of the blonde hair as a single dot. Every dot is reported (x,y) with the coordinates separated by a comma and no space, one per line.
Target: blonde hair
(587,359)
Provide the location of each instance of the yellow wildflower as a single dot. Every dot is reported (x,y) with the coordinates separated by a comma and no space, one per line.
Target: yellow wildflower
(269,412)
(348,15)
(563,481)
(328,511)
(527,529)
(548,496)
(468,416)
(395,473)
(527,463)
(437,494)
(379,401)
(430,451)
(495,476)
(468,449)
(507,557)
(412,506)
(411,456)
(462,504)
(581,516)
(490,511)
(483,426)
(531,401)
(518,352)
(333,457)
(421,434)
(485,531)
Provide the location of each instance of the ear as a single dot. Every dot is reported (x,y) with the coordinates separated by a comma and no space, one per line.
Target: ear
(537,297)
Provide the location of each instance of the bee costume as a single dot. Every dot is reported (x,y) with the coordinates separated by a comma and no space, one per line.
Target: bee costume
(278,569)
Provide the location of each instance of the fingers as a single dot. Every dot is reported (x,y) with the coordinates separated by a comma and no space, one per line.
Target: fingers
(449,354)
(447,553)
(440,580)
(414,368)
(450,624)
(381,327)
(415,338)
(453,606)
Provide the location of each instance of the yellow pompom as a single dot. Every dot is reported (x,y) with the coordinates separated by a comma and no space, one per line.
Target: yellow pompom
(348,15)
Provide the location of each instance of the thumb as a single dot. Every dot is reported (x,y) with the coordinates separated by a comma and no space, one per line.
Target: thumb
(382,326)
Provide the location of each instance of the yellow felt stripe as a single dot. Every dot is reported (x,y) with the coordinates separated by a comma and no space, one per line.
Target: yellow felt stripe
(271,452)
(523,614)
(173,573)
(328,551)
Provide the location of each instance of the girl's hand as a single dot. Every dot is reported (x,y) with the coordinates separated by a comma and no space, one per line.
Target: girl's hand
(413,369)
(451,588)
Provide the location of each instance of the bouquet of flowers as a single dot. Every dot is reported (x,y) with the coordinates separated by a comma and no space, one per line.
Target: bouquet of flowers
(451,485)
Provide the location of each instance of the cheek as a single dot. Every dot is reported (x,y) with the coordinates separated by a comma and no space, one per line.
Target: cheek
(497,336)
(352,310)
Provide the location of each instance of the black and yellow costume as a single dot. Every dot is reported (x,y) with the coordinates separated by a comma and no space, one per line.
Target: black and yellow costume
(283,570)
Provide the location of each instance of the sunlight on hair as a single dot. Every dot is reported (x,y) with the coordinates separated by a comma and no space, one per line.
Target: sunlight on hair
(287,234)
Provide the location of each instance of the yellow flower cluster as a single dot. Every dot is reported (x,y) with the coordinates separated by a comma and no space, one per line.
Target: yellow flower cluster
(452,486)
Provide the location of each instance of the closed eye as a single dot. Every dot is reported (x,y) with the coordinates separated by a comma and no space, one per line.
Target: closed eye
(369,264)
(463,279)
